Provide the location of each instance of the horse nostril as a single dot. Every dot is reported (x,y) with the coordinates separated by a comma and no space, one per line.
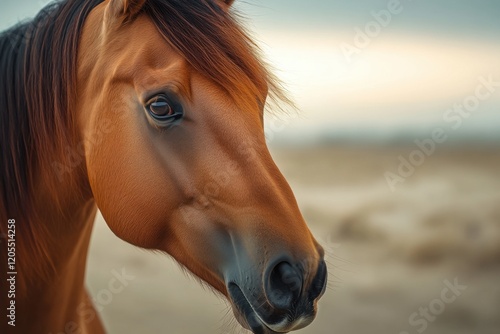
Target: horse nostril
(285,285)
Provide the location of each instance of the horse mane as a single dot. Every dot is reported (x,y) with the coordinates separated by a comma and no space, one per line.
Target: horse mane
(38,67)
(37,87)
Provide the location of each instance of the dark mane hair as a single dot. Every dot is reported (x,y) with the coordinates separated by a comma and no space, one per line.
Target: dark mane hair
(38,86)
(37,83)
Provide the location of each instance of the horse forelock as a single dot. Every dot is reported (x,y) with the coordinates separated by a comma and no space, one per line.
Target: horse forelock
(216,45)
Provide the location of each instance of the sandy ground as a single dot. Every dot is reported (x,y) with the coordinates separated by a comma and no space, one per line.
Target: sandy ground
(392,255)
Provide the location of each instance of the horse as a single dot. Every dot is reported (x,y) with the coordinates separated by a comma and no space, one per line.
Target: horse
(151,111)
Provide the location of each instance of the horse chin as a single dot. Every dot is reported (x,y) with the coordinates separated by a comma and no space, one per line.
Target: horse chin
(245,314)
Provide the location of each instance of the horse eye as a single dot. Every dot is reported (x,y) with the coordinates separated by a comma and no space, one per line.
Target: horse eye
(163,110)
(160,107)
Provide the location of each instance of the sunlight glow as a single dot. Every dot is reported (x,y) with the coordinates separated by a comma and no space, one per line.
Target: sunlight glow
(396,74)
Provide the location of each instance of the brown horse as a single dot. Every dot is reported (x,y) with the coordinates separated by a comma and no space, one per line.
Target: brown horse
(152,112)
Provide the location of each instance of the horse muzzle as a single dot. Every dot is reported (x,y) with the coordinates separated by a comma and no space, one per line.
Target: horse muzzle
(283,300)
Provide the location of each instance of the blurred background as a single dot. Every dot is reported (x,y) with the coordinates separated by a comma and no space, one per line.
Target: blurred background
(393,156)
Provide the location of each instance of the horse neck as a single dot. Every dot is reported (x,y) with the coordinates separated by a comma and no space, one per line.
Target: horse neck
(53,302)
(48,301)
(51,286)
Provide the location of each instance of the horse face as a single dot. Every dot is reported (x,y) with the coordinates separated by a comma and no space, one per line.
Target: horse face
(175,164)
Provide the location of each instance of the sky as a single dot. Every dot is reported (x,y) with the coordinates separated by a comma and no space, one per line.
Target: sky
(369,67)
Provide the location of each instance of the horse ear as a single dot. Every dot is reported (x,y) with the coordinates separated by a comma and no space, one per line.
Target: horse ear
(125,9)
